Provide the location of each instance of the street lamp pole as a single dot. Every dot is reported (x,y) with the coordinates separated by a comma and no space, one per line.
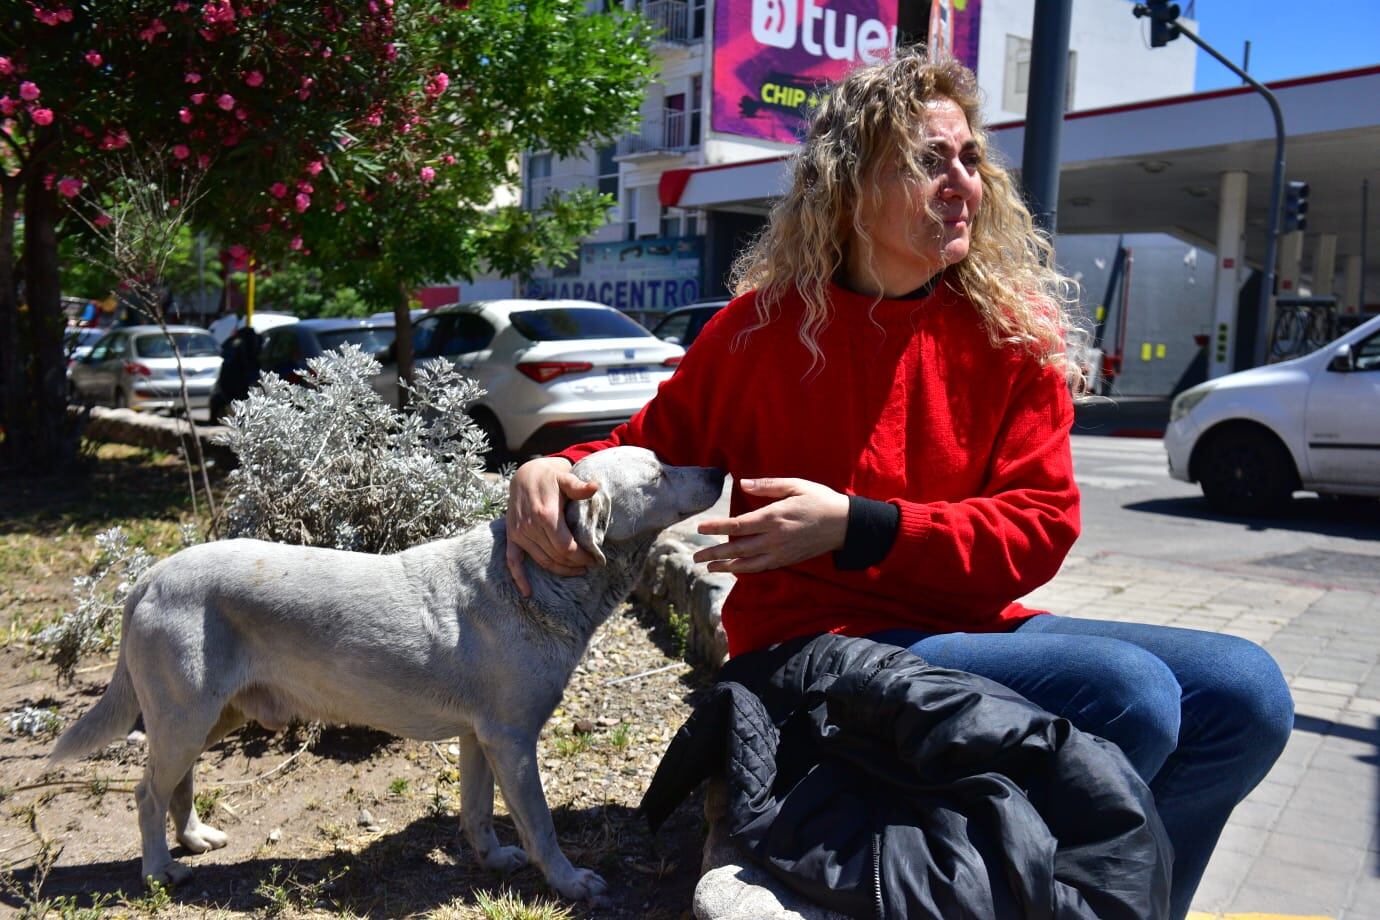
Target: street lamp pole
(1164,15)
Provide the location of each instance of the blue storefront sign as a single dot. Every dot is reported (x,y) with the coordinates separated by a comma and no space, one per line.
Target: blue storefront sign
(641,276)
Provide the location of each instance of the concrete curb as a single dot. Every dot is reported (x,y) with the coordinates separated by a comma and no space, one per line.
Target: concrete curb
(138,429)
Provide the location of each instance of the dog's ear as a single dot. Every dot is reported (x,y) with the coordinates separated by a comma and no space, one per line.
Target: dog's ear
(589,521)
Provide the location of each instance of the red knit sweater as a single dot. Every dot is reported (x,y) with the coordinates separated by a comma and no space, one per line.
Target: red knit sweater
(914,407)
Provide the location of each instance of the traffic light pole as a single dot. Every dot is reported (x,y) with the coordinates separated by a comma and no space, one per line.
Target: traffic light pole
(1267,285)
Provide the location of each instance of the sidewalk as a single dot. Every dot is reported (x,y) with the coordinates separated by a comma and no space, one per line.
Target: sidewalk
(1305,843)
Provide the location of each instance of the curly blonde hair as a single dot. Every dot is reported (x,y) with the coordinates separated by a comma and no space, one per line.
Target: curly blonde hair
(874,119)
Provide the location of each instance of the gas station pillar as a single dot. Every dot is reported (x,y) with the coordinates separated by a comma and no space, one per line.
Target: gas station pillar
(1351,285)
(1290,258)
(1325,265)
(1231,252)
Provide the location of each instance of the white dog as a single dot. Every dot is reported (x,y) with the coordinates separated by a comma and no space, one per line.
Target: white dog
(429,643)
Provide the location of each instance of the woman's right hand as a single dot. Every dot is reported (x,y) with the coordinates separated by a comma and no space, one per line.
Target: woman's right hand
(537,496)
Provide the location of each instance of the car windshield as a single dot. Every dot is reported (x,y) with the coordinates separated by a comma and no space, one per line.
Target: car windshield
(565,323)
(368,340)
(189,345)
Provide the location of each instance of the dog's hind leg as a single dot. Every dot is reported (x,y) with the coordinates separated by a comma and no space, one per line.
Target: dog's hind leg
(191,833)
(513,756)
(170,758)
(477,809)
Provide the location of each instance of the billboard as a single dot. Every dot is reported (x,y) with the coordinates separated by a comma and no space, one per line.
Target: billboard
(771,56)
(637,276)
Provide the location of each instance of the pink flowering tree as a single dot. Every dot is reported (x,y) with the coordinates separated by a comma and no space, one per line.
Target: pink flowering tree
(318,128)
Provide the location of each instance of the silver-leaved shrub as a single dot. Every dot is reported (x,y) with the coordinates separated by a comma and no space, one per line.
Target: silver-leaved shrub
(330,463)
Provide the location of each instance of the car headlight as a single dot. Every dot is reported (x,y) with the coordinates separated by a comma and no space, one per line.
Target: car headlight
(1187,401)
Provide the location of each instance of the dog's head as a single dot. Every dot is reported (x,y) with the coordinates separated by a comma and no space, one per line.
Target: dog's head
(638,495)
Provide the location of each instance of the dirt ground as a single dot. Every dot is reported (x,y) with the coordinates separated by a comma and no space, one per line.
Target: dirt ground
(350,823)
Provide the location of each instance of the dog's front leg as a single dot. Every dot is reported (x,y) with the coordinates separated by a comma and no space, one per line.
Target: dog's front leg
(513,756)
(477,809)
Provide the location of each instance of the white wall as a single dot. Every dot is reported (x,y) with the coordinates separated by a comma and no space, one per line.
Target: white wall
(1114,62)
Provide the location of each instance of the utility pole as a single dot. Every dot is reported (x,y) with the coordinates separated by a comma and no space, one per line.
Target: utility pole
(1044,109)
(1164,28)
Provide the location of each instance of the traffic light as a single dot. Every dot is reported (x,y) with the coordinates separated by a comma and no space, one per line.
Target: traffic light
(1162,14)
(1295,206)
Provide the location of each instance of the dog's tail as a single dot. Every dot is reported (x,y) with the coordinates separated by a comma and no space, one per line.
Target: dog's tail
(112,716)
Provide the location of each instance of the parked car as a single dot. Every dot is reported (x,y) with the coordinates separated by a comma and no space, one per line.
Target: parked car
(682,325)
(77,342)
(263,321)
(285,349)
(555,372)
(1253,438)
(135,366)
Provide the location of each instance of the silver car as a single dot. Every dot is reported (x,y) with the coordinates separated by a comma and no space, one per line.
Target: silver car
(135,367)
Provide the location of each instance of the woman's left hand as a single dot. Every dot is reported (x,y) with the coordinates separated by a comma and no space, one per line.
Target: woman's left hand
(806,520)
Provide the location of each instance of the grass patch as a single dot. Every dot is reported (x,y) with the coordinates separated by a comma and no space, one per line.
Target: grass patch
(509,906)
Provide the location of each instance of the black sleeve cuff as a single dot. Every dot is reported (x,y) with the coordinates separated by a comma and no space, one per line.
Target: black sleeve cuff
(872,527)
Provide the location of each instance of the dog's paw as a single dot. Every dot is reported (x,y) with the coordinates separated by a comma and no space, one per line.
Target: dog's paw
(581,885)
(504,860)
(203,839)
(169,875)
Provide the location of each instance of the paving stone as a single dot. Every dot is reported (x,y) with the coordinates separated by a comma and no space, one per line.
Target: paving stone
(1323,855)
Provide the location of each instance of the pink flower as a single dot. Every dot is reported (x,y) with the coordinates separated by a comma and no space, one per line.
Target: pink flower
(49,179)
(47,17)
(390,52)
(301,202)
(238,252)
(182,6)
(437,85)
(102,220)
(253,78)
(94,58)
(181,151)
(296,243)
(184,115)
(28,91)
(241,114)
(115,141)
(42,116)
(448,159)
(6,67)
(339,206)
(278,190)
(305,187)
(428,174)
(152,30)
(197,98)
(8,106)
(192,77)
(226,101)
(314,168)
(203,161)
(69,187)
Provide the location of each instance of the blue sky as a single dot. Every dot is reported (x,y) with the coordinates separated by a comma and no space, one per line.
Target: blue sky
(1289,38)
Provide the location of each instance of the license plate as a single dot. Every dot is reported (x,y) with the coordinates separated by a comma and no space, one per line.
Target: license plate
(628,375)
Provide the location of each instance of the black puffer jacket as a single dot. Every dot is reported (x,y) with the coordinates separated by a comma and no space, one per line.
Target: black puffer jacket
(880,786)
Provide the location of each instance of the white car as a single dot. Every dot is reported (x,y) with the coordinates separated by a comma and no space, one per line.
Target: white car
(134,367)
(1253,438)
(555,372)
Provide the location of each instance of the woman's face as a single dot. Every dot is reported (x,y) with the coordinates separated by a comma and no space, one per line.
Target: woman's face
(950,186)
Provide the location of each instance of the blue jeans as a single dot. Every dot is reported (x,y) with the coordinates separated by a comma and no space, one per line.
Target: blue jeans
(1201,716)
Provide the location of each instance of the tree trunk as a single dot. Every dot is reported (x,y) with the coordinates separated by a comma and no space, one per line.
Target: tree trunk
(12,389)
(402,320)
(45,441)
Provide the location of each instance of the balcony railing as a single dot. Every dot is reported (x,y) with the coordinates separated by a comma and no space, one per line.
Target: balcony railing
(671,19)
(668,132)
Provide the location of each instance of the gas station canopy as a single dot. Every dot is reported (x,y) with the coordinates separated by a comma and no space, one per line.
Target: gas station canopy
(1156,166)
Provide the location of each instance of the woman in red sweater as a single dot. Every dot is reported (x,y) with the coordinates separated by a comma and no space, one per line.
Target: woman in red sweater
(891,392)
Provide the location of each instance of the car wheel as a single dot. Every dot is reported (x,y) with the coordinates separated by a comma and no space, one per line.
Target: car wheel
(497,454)
(1245,471)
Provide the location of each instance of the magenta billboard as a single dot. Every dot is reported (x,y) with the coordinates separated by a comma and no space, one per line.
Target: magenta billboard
(771,56)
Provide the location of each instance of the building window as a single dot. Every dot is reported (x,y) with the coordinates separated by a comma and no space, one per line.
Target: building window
(1016,77)
(675,121)
(630,212)
(608,171)
(697,19)
(538,178)
(696,91)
